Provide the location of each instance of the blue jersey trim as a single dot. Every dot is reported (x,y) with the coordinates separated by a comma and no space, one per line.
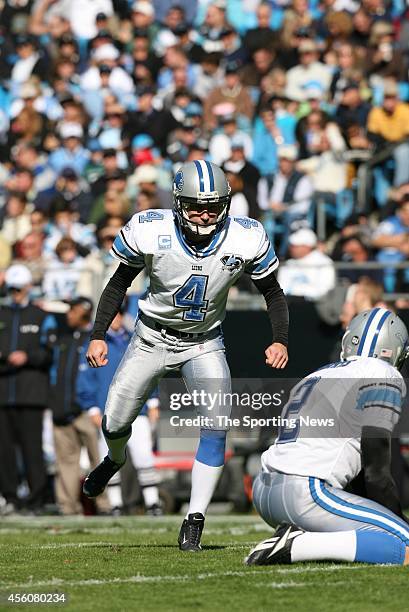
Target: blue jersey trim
(349,510)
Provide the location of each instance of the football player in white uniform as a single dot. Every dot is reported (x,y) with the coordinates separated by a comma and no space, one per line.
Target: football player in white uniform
(192,255)
(356,404)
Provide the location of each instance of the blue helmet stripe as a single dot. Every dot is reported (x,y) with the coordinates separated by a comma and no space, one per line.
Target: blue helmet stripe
(211,176)
(200,173)
(376,334)
(368,323)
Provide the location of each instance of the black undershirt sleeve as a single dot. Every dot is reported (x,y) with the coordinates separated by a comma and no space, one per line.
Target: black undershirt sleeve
(277,308)
(376,461)
(112,298)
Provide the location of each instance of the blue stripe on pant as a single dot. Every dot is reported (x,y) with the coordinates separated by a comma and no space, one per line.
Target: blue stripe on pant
(334,504)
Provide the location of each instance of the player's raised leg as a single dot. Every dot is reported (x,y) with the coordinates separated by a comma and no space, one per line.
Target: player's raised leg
(134,380)
(208,373)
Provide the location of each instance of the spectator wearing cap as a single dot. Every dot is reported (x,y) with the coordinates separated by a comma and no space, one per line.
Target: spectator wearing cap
(64,223)
(29,61)
(220,143)
(24,362)
(383,59)
(63,271)
(390,124)
(291,191)
(186,41)
(71,153)
(248,173)
(308,272)
(309,69)
(146,179)
(232,92)
(147,120)
(70,188)
(143,150)
(105,61)
(232,47)
(143,18)
(352,115)
(73,425)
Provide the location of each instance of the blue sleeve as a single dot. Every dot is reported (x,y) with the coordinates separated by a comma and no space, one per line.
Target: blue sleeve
(86,385)
(126,251)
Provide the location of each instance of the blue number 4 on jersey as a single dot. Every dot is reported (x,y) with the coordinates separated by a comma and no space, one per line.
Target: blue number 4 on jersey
(191,297)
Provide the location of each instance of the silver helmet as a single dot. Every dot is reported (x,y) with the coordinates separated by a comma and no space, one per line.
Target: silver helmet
(197,184)
(376,333)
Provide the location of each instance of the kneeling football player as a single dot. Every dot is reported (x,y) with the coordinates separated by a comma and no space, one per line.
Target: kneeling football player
(304,474)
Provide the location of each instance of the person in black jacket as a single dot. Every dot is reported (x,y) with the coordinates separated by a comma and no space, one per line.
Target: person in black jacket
(24,362)
(73,425)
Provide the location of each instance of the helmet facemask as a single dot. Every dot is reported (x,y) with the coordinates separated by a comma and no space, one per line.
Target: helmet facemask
(210,202)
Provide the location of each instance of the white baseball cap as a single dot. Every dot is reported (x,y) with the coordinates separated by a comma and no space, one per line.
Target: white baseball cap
(69,129)
(288,152)
(303,237)
(105,52)
(143,7)
(18,276)
(146,174)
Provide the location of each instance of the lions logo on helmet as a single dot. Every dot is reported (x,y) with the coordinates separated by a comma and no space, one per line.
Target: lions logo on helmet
(377,333)
(178,182)
(200,185)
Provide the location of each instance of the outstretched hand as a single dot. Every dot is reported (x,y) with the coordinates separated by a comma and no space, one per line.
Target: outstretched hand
(97,353)
(276,355)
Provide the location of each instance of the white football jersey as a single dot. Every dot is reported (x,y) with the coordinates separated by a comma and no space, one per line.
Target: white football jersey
(189,286)
(328,409)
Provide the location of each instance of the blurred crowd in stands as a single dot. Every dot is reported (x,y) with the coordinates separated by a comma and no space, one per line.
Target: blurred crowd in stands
(100,102)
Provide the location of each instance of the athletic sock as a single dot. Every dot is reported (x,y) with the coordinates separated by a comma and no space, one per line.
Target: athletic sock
(207,469)
(150,496)
(362,546)
(317,546)
(116,442)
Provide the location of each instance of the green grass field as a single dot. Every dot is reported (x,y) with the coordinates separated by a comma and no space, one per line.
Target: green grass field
(132,563)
